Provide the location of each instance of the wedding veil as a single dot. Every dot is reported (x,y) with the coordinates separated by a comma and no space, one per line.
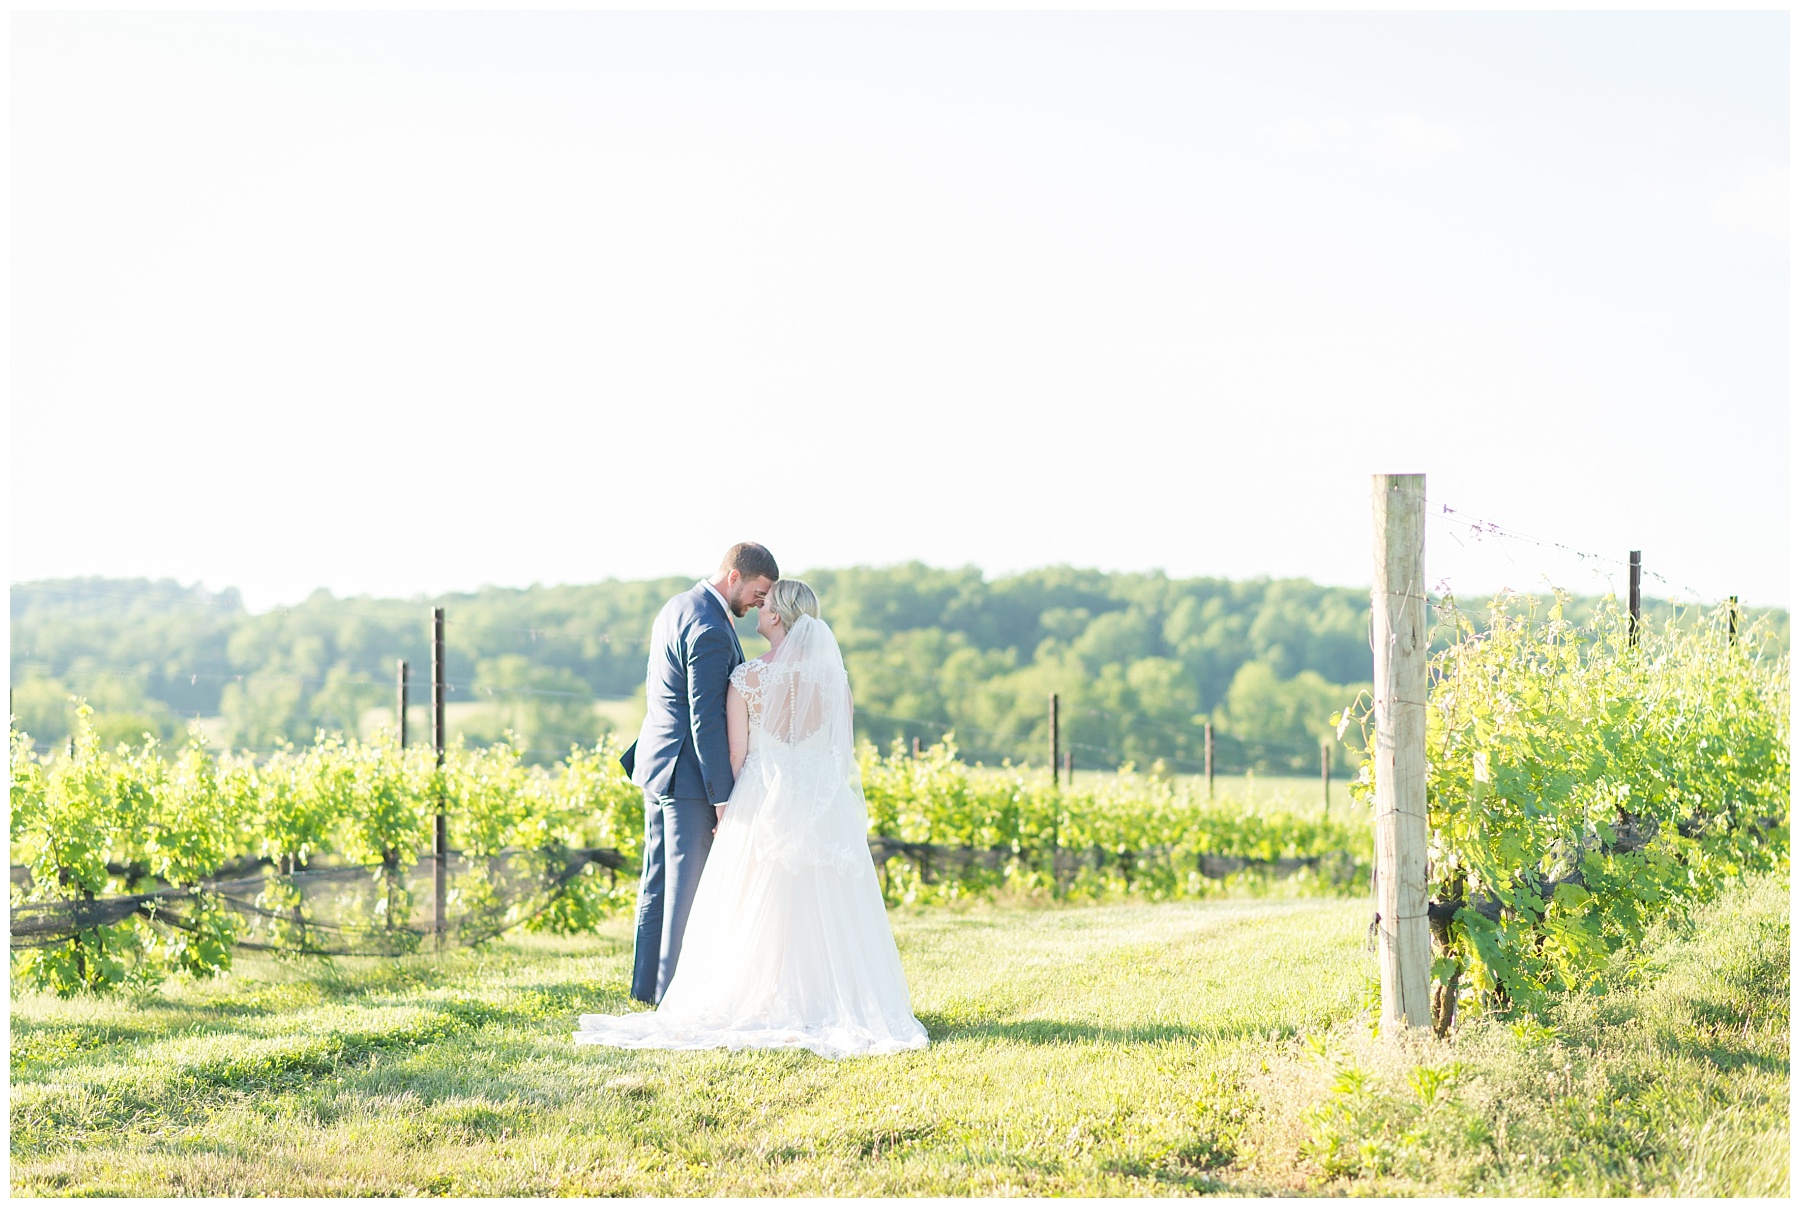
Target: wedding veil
(813,810)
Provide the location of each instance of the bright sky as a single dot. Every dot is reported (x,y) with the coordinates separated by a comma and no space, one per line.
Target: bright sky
(412,302)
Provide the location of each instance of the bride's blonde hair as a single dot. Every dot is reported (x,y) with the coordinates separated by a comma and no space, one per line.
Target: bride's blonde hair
(790,598)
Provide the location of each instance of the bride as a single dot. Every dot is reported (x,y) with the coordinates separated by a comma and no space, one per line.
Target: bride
(788,945)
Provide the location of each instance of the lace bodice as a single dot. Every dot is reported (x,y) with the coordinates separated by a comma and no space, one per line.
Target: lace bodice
(752,683)
(769,698)
(757,681)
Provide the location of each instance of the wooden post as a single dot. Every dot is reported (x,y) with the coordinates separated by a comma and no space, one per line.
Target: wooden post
(1637,575)
(1054,739)
(1209,761)
(915,746)
(440,840)
(1069,768)
(400,706)
(1400,645)
(1731,623)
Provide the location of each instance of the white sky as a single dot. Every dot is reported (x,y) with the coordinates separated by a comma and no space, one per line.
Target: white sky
(411,302)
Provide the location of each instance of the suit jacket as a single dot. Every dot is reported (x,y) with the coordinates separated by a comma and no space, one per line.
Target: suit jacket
(682,750)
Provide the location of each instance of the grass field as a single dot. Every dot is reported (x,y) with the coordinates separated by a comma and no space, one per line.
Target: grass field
(1107,1050)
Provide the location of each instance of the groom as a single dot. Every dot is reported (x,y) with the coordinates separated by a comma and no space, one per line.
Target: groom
(683,762)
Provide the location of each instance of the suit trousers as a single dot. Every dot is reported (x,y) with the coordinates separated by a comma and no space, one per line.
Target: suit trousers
(678,835)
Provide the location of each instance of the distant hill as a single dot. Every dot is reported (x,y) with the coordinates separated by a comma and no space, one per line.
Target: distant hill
(1139,661)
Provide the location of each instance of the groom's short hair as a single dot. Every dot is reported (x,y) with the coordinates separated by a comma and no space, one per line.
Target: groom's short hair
(750,561)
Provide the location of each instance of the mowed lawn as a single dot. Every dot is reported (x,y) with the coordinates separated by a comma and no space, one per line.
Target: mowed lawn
(1101,1050)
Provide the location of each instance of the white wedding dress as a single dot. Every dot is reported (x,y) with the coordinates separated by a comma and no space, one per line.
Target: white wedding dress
(787,945)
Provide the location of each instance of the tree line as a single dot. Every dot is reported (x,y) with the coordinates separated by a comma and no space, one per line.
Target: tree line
(1140,662)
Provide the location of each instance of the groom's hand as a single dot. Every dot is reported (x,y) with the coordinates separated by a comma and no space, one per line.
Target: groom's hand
(721,812)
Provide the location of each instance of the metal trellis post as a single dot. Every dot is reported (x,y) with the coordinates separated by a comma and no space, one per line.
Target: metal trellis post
(440,845)
(1636,600)
(400,704)
(1325,771)
(1209,761)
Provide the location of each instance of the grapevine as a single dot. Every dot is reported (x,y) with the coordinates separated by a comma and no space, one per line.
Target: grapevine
(96,824)
(101,823)
(1583,782)
(1137,833)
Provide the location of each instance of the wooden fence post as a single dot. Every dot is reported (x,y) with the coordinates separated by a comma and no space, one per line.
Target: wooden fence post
(1054,740)
(440,840)
(915,748)
(1400,647)
(1637,576)
(400,708)
(1069,768)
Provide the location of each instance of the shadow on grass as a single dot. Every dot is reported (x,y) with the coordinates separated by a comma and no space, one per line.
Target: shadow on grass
(41,1049)
(1182,1176)
(85,1035)
(322,1075)
(566,1000)
(1725,1056)
(941,1027)
(48,1049)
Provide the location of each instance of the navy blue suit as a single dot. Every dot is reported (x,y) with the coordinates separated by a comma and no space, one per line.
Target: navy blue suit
(684,766)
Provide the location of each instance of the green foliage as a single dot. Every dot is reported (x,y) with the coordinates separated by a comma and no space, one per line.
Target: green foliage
(1140,661)
(587,797)
(43,707)
(102,822)
(265,710)
(1145,834)
(1270,715)
(121,709)
(1673,1082)
(547,707)
(1581,786)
